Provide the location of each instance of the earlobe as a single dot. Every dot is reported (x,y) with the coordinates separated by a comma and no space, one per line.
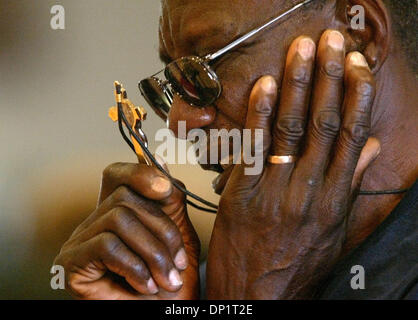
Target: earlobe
(367,29)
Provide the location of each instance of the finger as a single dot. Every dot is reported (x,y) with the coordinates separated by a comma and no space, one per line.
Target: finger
(145,180)
(147,211)
(260,113)
(154,217)
(162,226)
(152,242)
(91,260)
(294,97)
(358,101)
(369,153)
(325,119)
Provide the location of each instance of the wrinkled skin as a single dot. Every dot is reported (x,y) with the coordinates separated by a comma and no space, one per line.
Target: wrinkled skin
(291,243)
(183,32)
(128,247)
(295,220)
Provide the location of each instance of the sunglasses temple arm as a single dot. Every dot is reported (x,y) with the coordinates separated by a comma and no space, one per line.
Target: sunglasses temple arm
(159,167)
(252,33)
(157,73)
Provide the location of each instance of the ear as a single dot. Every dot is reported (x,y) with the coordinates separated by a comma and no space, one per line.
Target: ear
(372,36)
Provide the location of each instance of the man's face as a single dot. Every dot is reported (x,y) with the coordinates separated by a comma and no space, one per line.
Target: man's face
(199,27)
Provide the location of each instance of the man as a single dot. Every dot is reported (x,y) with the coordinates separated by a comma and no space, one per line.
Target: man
(340,105)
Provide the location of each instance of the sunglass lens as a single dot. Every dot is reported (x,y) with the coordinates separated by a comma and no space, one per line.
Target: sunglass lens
(156,96)
(194,81)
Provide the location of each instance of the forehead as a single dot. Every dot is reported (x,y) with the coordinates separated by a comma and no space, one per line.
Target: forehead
(202,26)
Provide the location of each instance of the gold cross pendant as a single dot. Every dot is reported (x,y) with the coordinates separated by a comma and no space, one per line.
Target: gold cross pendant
(135,115)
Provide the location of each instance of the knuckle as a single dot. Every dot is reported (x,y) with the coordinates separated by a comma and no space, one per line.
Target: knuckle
(299,77)
(109,243)
(171,234)
(356,133)
(141,271)
(327,124)
(65,259)
(364,84)
(333,70)
(334,210)
(263,107)
(114,219)
(112,170)
(291,128)
(159,258)
(119,219)
(121,194)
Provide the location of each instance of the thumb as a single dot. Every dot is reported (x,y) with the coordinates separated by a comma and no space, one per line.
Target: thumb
(369,153)
(175,203)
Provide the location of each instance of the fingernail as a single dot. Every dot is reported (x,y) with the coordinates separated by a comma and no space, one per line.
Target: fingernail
(152,287)
(175,279)
(306,48)
(181,259)
(160,185)
(268,84)
(336,40)
(358,59)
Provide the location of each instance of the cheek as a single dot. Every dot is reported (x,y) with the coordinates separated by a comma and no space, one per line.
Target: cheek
(236,84)
(238,78)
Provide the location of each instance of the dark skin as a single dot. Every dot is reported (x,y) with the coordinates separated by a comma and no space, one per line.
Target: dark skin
(134,244)
(296,220)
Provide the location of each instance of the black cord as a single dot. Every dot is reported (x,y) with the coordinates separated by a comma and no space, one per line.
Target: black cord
(124,135)
(377,193)
(194,205)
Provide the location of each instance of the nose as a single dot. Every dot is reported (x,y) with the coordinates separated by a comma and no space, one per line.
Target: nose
(194,117)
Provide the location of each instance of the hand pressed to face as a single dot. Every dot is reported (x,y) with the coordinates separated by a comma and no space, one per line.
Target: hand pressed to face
(292,217)
(138,243)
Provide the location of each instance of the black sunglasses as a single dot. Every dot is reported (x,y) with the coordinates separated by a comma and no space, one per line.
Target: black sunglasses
(192,78)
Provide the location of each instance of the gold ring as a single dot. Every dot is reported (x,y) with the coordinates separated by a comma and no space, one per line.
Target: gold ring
(281,159)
